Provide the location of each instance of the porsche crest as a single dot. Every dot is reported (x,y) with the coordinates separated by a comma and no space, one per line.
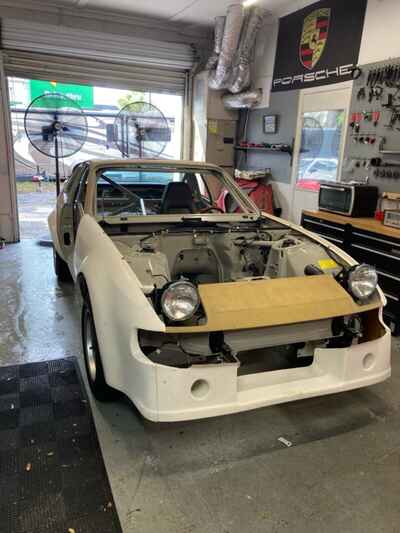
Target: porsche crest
(314,37)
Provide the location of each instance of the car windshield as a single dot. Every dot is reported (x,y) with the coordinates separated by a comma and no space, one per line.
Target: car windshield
(124,192)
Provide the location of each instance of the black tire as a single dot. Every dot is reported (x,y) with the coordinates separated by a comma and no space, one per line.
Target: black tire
(94,367)
(61,268)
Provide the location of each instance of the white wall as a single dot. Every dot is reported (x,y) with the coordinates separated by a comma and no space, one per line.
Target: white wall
(282,195)
(264,59)
(381,39)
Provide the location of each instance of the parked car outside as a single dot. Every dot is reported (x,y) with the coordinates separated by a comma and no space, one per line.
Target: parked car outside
(312,172)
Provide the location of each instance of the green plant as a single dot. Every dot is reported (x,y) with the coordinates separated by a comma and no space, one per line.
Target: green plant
(129,98)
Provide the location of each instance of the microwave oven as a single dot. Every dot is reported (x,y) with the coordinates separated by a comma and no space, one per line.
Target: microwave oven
(350,199)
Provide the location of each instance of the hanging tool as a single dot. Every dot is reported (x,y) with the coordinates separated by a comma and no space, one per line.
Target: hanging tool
(361,94)
(375,92)
(356,73)
(395,116)
(376,115)
(389,102)
(355,122)
(367,116)
(378,162)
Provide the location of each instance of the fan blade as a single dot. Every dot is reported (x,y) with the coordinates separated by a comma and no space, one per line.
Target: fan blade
(39,123)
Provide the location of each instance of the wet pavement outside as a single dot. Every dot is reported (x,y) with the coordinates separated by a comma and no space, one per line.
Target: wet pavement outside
(39,319)
(33,209)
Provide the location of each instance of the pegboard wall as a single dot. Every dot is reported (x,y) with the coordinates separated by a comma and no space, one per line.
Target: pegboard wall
(372,146)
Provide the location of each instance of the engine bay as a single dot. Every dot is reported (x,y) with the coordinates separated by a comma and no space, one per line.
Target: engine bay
(219,255)
(224,253)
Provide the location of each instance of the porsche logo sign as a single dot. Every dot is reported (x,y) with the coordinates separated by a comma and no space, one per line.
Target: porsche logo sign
(314,37)
(310,49)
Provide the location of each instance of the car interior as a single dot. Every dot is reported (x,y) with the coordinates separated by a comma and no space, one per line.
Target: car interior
(122,193)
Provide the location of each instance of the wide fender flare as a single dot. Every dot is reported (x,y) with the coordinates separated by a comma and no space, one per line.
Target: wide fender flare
(117,300)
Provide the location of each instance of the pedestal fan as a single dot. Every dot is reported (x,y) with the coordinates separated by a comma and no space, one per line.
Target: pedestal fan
(141,130)
(56,126)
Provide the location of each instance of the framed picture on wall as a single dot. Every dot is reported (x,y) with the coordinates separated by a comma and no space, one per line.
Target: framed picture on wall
(270,123)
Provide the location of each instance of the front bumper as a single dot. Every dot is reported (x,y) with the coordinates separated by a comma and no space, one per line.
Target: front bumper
(212,390)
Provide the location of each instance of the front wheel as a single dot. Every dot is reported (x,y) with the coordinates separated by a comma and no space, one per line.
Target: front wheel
(94,367)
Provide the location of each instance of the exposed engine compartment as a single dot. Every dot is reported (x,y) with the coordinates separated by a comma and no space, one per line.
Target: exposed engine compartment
(215,256)
(232,253)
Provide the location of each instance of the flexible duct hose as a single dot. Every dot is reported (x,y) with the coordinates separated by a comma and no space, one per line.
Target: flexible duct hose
(219,78)
(243,100)
(240,78)
(218,35)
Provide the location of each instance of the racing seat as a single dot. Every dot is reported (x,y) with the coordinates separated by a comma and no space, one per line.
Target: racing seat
(177,198)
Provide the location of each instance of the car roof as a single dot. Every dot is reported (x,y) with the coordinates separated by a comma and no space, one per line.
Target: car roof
(175,163)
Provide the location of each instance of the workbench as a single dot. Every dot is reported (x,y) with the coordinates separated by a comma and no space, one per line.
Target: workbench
(368,241)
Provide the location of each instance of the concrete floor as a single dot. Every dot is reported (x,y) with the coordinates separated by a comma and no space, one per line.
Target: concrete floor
(228,474)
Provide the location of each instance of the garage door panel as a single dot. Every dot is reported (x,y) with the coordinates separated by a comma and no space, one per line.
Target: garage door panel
(43,51)
(101,74)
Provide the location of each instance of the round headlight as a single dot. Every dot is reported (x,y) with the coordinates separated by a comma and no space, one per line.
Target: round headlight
(180,301)
(363,280)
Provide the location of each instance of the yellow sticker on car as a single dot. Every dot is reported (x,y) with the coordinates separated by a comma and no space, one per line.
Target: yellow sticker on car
(326,264)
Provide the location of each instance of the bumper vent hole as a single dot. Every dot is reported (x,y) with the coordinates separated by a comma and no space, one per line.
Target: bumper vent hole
(200,389)
(368,361)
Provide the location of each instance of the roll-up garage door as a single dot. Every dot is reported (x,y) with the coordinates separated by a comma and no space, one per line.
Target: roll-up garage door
(41,51)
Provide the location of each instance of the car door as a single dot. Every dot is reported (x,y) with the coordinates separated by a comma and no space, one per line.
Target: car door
(79,201)
(69,210)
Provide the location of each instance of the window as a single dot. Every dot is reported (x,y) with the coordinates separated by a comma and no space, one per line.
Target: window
(72,182)
(320,148)
(128,191)
(101,105)
(80,197)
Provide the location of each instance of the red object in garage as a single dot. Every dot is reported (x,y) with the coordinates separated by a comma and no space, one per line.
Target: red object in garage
(261,194)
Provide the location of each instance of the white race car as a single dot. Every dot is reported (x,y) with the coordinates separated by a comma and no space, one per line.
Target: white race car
(193,312)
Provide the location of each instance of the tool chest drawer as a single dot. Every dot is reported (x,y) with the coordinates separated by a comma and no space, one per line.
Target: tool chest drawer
(390,286)
(376,250)
(377,258)
(389,283)
(319,225)
(328,230)
(376,242)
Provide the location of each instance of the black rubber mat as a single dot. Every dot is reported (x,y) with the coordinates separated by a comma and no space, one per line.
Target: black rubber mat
(52,474)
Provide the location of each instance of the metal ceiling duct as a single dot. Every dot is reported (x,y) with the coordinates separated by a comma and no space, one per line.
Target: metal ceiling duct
(218,35)
(240,77)
(243,100)
(219,78)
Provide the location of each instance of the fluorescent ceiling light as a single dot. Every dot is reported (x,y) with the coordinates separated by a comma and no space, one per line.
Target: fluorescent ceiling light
(248,3)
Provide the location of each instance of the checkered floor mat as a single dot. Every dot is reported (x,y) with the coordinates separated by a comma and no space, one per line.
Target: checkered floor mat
(52,474)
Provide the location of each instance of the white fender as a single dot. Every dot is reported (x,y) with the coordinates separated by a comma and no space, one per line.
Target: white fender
(118,303)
